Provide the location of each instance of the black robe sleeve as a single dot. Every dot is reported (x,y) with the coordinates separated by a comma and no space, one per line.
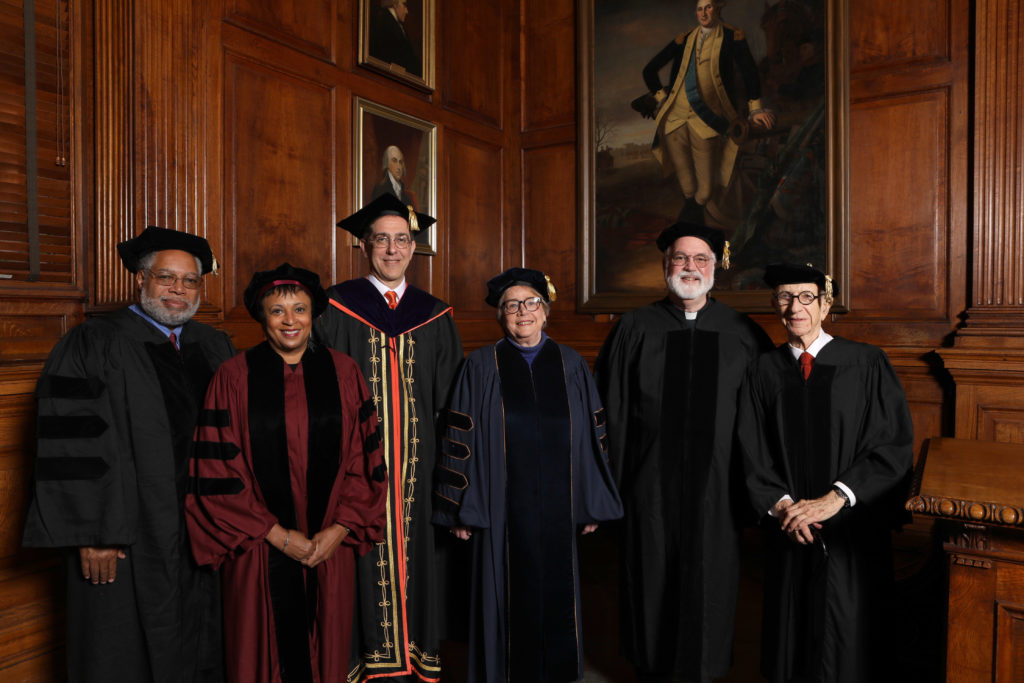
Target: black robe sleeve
(83,462)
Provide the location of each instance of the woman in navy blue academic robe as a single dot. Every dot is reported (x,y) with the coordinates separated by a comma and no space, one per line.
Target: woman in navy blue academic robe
(523,471)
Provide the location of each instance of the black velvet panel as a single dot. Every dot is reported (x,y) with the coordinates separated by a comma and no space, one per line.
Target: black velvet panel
(541,603)
(59,386)
(184,376)
(600,417)
(371,443)
(687,447)
(454,449)
(460,421)
(446,477)
(214,417)
(380,473)
(216,486)
(326,416)
(807,409)
(270,465)
(70,469)
(215,450)
(70,426)
(366,410)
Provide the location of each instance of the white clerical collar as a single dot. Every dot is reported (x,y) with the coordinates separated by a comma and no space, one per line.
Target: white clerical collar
(396,185)
(381,287)
(816,346)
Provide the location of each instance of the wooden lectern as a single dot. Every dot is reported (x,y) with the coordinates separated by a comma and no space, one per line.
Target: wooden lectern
(978,488)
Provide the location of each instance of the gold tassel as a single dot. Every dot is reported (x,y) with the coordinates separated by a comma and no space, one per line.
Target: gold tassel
(828,288)
(414,224)
(214,267)
(552,292)
(725,256)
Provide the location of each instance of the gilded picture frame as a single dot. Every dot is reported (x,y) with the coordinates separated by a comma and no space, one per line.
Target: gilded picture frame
(787,198)
(396,38)
(382,136)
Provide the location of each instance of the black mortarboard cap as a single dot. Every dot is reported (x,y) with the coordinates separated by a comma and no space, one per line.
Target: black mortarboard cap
(285,274)
(535,279)
(385,205)
(796,273)
(714,237)
(159,239)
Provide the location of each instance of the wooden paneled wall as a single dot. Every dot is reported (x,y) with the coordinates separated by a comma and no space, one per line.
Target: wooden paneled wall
(233,119)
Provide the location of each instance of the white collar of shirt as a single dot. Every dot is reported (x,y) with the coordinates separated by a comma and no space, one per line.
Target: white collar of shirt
(816,346)
(381,287)
(396,185)
(163,328)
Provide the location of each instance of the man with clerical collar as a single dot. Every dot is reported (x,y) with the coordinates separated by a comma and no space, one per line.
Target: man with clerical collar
(118,402)
(669,375)
(828,450)
(408,348)
(700,115)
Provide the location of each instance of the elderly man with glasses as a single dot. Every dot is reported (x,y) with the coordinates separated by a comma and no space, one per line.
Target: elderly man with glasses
(118,402)
(827,441)
(669,376)
(408,348)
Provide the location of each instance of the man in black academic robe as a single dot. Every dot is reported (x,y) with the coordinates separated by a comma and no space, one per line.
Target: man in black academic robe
(827,442)
(670,375)
(118,402)
(406,343)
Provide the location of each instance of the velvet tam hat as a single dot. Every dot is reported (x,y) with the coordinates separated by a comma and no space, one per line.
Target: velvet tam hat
(534,279)
(385,205)
(285,274)
(795,273)
(714,238)
(159,239)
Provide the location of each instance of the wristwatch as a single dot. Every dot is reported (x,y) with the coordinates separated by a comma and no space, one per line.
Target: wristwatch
(842,494)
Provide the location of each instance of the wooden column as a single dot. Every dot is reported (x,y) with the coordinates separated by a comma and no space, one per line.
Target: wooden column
(987,360)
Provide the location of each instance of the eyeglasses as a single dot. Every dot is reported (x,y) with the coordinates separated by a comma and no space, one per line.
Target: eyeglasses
(381,241)
(168,280)
(700,260)
(805,297)
(512,306)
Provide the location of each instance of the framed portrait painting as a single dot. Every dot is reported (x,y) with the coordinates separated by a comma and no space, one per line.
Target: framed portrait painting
(396,37)
(397,154)
(732,115)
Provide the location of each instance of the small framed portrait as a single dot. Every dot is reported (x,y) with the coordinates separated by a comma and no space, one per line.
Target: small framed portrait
(396,37)
(396,153)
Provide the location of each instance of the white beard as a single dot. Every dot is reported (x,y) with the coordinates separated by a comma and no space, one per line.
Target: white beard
(152,307)
(686,291)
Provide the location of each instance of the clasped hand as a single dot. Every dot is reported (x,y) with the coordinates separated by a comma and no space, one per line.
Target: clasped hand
(798,520)
(309,551)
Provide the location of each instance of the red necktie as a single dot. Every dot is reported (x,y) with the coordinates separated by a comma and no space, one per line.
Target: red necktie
(392,299)
(806,363)
(174,340)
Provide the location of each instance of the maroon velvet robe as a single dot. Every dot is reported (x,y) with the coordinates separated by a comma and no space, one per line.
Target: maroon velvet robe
(229,515)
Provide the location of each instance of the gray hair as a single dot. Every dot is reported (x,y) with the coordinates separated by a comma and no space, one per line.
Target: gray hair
(499,313)
(386,159)
(146,262)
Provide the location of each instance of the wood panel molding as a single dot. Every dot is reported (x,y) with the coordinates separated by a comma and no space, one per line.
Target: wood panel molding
(307,26)
(472,59)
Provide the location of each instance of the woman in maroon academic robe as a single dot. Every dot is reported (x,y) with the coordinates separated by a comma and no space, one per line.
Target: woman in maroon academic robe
(287,488)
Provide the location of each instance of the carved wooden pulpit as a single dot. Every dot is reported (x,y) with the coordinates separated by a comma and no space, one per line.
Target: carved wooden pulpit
(978,488)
